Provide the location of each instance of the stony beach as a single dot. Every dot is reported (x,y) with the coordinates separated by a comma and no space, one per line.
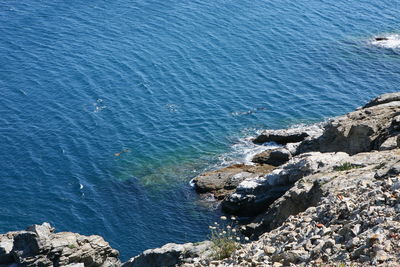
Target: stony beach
(328,196)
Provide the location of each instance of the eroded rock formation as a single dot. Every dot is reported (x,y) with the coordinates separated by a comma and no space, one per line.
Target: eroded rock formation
(39,245)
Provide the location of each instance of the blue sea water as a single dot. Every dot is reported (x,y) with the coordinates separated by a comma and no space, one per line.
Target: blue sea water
(109,108)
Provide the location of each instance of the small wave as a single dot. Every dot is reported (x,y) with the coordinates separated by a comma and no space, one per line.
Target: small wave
(391,41)
(243,151)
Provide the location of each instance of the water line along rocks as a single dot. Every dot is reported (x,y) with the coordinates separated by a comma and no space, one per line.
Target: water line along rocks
(329,196)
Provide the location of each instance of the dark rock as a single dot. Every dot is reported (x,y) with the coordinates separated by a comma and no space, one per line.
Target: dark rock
(274,157)
(381,39)
(281,136)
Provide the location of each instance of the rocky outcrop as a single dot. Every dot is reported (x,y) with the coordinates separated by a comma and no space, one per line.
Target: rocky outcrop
(309,190)
(363,130)
(376,126)
(171,255)
(39,245)
(345,215)
(328,195)
(334,196)
(221,182)
(255,195)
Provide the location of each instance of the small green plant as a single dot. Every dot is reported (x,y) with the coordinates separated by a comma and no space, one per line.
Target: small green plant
(71,246)
(225,238)
(345,167)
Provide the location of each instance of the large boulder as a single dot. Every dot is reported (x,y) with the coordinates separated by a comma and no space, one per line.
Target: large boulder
(38,245)
(170,255)
(274,157)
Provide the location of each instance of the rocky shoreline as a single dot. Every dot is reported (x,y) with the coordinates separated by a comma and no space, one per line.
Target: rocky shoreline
(328,196)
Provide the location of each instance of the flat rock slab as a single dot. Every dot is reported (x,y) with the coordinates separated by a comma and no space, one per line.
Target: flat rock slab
(221,182)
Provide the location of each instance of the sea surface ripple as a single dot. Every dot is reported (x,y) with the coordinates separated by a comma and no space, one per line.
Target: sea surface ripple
(109,108)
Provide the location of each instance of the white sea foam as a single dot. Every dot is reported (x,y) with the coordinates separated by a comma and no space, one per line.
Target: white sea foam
(191,183)
(249,184)
(243,151)
(390,41)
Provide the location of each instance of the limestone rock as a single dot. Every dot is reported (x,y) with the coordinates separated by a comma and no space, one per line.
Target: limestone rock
(221,182)
(390,143)
(254,195)
(169,255)
(291,135)
(6,245)
(362,130)
(383,99)
(38,245)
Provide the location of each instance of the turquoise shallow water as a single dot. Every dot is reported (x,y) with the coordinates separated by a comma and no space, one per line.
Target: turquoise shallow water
(107,110)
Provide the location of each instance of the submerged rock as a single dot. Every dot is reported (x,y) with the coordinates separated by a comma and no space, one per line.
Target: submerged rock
(38,245)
